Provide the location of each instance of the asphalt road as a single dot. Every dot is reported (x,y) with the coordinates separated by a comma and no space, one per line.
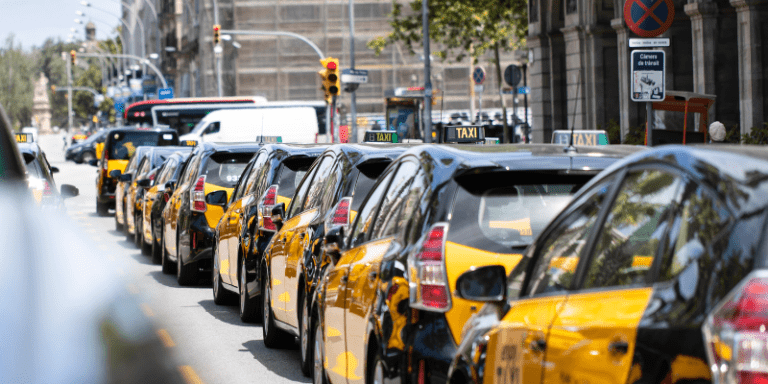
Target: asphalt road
(210,342)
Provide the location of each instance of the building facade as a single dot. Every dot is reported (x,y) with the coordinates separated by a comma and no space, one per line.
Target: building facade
(580,72)
(283,68)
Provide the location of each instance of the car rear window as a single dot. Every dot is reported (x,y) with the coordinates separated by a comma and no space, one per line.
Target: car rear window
(225,169)
(124,144)
(33,167)
(158,159)
(499,211)
(291,173)
(369,173)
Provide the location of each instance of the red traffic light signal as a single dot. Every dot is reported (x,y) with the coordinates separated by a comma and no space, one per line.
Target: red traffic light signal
(216,34)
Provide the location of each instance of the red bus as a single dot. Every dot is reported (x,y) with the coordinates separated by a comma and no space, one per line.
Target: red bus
(140,113)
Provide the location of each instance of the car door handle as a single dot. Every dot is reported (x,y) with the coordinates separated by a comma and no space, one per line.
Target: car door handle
(373,275)
(302,236)
(538,345)
(344,279)
(618,347)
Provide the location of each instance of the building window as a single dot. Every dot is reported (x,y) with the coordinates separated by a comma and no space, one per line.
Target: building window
(571,6)
(533,13)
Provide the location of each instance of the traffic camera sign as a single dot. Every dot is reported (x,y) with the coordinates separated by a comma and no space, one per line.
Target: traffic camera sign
(648,75)
(649,18)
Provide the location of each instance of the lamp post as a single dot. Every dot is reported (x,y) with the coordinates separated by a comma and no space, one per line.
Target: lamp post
(125,23)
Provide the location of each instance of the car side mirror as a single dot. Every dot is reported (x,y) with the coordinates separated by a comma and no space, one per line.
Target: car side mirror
(483,284)
(68,191)
(125,177)
(170,186)
(115,174)
(218,198)
(94,162)
(333,242)
(54,170)
(144,183)
(278,213)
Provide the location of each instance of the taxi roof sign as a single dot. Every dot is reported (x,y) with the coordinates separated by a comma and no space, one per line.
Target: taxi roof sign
(188,143)
(463,134)
(381,137)
(269,139)
(580,137)
(24,138)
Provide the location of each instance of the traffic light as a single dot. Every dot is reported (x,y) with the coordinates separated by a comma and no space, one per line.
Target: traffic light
(53,88)
(72,57)
(216,34)
(330,77)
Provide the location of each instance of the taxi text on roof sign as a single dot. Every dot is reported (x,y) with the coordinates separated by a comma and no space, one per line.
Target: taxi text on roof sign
(380,137)
(580,137)
(188,143)
(23,138)
(463,134)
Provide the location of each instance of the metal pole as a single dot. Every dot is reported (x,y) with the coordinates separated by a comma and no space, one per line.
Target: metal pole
(216,48)
(133,57)
(276,33)
(427,75)
(353,96)
(649,120)
(69,94)
(525,97)
(336,135)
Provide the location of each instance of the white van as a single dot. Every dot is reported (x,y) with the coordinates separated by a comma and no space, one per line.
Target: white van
(291,125)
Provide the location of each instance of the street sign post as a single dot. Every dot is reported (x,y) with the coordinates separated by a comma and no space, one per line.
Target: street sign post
(513,75)
(357,76)
(647,75)
(649,18)
(649,43)
(478,76)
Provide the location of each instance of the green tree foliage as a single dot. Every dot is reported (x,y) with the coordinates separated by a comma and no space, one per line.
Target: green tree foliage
(54,67)
(17,76)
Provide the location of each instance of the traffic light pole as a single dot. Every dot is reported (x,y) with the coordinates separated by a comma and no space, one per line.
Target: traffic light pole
(276,33)
(427,75)
(69,95)
(353,95)
(217,50)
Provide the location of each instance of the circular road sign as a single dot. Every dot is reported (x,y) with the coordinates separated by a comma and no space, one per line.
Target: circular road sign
(478,75)
(513,75)
(649,18)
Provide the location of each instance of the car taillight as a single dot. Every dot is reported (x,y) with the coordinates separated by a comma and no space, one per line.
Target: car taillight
(340,215)
(197,197)
(428,280)
(47,190)
(268,201)
(735,333)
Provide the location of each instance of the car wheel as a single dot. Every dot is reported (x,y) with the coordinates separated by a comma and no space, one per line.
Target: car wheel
(185,274)
(273,337)
(376,374)
(168,267)
(318,370)
(102,209)
(220,295)
(249,306)
(87,157)
(157,256)
(138,233)
(305,340)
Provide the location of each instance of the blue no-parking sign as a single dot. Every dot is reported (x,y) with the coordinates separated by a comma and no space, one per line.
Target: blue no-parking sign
(165,93)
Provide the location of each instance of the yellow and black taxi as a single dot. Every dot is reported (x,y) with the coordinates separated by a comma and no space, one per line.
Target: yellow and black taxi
(144,178)
(188,221)
(330,195)
(86,150)
(244,231)
(155,199)
(656,272)
(386,309)
(118,148)
(124,180)
(40,174)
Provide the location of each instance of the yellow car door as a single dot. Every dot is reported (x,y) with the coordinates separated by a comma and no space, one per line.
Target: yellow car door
(362,288)
(222,250)
(277,255)
(297,243)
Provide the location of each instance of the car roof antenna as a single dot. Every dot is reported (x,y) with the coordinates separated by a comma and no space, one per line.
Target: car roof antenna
(570,148)
(261,139)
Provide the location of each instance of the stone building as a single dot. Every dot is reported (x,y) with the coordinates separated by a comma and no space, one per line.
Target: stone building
(41,106)
(282,68)
(580,73)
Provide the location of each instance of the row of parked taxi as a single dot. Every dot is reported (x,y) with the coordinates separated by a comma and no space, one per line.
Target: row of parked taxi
(465,263)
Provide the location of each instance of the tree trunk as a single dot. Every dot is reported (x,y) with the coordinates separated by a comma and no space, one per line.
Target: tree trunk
(507,136)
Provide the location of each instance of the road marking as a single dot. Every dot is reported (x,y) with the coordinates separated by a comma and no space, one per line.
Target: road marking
(189,375)
(147,310)
(165,338)
(132,289)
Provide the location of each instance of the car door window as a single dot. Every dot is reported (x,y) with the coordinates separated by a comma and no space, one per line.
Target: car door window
(301,193)
(314,197)
(165,172)
(257,172)
(241,183)
(387,221)
(636,223)
(560,252)
(143,168)
(366,217)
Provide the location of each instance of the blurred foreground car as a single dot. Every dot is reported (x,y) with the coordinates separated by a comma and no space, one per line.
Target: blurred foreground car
(88,149)
(40,174)
(75,335)
(655,273)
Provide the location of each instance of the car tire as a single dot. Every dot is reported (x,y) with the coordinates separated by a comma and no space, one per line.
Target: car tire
(376,371)
(102,209)
(185,274)
(249,306)
(273,337)
(87,157)
(318,369)
(118,227)
(306,340)
(157,255)
(220,294)
(168,267)
(138,232)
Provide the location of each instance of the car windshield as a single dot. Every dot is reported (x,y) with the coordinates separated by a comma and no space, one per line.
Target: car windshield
(124,144)
(367,177)
(496,212)
(224,169)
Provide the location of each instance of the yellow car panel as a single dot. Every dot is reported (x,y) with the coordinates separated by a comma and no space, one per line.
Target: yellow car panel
(213,213)
(362,287)
(147,212)
(593,337)
(297,242)
(459,259)
(116,164)
(516,350)
(276,255)
(99,150)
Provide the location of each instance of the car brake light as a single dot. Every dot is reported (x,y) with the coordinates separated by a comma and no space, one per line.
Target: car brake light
(428,280)
(47,190)
(268,201)
(735,333)
(340,215)
(152,177)
(197,197)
